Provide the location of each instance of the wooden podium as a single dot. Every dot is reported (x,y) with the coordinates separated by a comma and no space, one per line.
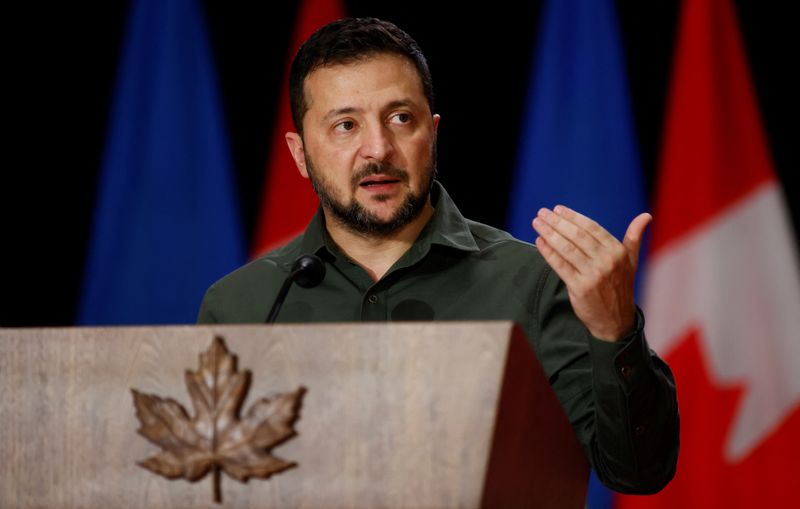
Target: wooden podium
(398,415)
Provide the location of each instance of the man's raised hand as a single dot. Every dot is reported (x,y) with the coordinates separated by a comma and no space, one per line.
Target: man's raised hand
(597,269)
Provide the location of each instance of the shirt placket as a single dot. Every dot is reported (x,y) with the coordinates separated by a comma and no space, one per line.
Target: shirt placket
(374,305)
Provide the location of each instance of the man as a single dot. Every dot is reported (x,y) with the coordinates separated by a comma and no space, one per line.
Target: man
(397,248)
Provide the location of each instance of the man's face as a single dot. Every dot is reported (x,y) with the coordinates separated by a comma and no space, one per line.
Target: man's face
(368,143)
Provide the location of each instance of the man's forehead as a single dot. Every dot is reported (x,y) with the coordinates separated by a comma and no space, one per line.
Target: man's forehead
(395,59)
(384,71)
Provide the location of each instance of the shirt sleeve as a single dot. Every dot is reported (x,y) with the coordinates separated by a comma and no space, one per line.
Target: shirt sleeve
(619,396)
(209,312)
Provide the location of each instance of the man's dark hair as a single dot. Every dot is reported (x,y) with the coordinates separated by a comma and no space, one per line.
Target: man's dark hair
(349,40)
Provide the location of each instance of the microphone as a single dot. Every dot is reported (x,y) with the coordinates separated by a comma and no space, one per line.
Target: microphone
(307,271)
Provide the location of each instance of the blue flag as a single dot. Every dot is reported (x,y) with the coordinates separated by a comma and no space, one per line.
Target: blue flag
(578,145)
(166,221)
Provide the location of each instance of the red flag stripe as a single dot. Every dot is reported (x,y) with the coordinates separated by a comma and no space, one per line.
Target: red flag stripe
(713,140)
(288,201)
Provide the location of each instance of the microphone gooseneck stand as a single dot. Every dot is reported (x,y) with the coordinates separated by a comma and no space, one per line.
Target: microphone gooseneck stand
(308,271)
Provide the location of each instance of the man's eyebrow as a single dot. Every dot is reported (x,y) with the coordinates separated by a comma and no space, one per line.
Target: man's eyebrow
(341,111)
(401,103)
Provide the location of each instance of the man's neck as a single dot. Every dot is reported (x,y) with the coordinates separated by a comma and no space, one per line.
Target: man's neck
(377,254)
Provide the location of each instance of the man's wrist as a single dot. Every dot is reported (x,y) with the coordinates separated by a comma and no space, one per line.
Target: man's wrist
(635,328)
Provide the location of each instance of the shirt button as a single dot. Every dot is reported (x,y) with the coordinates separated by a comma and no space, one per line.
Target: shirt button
(373,298)
(640,430)
(626,371)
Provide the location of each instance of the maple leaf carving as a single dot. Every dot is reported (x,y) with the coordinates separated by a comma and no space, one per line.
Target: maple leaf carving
(216,438)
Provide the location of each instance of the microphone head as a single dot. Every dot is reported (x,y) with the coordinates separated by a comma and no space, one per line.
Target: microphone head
(308,271)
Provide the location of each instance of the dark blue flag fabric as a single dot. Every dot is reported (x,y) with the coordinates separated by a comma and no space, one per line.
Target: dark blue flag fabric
(578,145)
(166,221)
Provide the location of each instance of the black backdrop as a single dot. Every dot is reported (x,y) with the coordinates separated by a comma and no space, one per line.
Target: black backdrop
(63,61)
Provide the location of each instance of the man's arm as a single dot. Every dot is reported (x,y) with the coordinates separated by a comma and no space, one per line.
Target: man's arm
(208,308)
(627,417)
(634,404)
(619,396)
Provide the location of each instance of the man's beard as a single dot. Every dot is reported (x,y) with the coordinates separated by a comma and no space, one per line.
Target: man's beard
(358,219)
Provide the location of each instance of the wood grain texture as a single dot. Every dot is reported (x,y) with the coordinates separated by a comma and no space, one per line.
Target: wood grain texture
(397,415)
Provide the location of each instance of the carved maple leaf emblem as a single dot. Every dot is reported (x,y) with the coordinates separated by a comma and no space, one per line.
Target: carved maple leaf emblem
(216,438)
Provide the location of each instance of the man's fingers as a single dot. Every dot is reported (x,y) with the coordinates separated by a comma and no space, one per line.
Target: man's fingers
(633,236)
(593,228)
(561,243)
(574,233)
(563,268)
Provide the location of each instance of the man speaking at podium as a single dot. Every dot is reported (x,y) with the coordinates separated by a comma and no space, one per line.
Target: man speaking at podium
(395,247)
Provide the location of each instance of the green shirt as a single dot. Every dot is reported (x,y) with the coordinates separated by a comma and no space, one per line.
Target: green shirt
(619,397)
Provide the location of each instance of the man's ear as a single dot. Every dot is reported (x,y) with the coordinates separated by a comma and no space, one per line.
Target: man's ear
(436,119)
(298,151)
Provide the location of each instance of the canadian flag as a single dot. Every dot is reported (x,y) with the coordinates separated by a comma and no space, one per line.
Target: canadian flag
(288,202)
(722,290)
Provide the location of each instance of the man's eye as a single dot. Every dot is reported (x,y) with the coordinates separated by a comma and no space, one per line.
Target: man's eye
(401,118)
(347,125)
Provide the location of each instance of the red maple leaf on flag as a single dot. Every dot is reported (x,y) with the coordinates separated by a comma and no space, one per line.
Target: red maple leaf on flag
(702,469)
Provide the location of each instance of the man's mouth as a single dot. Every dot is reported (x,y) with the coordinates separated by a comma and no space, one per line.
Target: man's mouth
(378,180)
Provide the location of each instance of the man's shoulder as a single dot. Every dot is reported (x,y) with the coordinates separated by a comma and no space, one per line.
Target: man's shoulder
(273,265)
(491,238)
(240,297)
(451,228)
(498,250)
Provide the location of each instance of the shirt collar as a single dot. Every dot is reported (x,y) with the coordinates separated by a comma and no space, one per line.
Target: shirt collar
(315,238)
(447,228)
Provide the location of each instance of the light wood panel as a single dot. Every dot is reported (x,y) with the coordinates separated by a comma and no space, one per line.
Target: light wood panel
(394,415)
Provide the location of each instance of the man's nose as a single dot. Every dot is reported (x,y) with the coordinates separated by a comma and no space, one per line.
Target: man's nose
(377,143)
